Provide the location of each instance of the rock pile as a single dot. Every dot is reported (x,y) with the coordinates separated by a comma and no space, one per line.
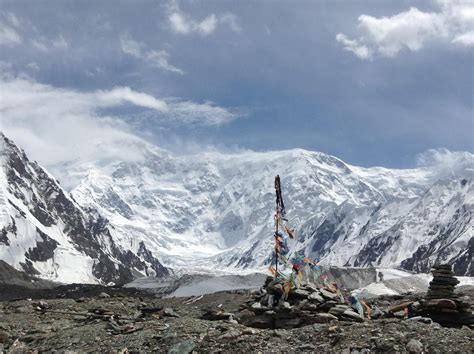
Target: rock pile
(441,304)
(443,283)
(304,306)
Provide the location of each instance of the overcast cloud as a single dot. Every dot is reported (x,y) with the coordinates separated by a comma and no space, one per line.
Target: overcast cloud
(372,82)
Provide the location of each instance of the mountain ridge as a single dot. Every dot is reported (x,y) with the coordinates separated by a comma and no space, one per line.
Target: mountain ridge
(46,233)
(214,211)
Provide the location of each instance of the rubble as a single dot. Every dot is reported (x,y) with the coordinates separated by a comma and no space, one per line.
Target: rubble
(304,306)
(135,323)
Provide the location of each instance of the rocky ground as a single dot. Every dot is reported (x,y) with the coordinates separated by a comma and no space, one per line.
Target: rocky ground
(86,318)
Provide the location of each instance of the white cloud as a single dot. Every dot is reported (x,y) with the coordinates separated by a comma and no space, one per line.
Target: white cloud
(13,19)
(412,30)
(184,24)
(446,163)
(232,21)
(9,36)
(40,44)
(122,95)
(138,50)
(56,125)
(33,66)
(353,46)
(200,113)
(46,45)
(208,25)
(466,39)
(129,46)
(60,43)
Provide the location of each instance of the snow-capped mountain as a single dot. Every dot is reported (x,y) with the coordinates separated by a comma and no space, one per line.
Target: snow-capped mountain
(213,211)
(43,231)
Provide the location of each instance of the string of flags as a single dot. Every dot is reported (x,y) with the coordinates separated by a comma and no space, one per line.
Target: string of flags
(281,261)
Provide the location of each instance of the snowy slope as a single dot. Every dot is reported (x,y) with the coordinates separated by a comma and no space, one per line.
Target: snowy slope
(44,232)
(214,211)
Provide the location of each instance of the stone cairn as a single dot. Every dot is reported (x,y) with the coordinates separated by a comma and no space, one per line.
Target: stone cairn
(442,304)
(305,305)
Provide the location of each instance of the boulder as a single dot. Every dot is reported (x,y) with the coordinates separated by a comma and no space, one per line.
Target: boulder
(414,346)
(249,319)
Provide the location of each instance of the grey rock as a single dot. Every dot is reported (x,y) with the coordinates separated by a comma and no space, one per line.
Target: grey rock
(414,346)
(186,346)
(316,297)
(169,312)
(328,295)
(22,309)
(338,309)
(300,293)
(265,300)
(421,319)
(327,305)
(103,295)
(43,305)
(441,303)
(232,334)
(3,337)
(349,314)
(324,318)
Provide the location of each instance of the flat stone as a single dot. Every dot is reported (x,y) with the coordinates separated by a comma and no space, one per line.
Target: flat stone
(421,319)
(316,297)
(324,318)
(309,287)
(249,319)
(442,266)
(335,311)
(328,294)
(307,306)
(443,271)
(300,293)
(103,295)
(441,303)
(327,305)
(349,314)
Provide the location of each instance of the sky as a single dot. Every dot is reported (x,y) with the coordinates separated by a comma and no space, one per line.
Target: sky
(375,83)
